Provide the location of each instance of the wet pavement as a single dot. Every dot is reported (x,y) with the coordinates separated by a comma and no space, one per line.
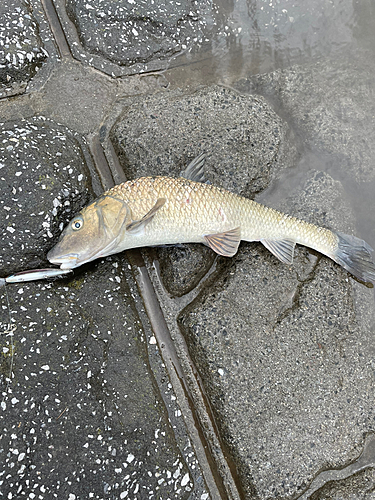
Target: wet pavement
(171,372)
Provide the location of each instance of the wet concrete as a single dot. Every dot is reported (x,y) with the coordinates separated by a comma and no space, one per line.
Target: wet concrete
(365,460)
(42,165)
(174,373)
(280,385)
(22,52)
(83,396)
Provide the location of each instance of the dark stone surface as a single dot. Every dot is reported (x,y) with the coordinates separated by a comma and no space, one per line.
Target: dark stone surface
(81,416)
(245,141)
(44,180)
(130,32)
(183,266)
(21,48)
(247,146)
(286,357)
(81,411)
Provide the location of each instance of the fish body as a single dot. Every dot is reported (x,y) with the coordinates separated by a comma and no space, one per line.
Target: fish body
(159,210)
(192,211)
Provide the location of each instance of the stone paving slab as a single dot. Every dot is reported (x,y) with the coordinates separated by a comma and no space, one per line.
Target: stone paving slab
(21,49)
(156,132)
(330,104)
(131,37)
(81,409)
(246,144)
(44,180)
(81,415)
(26,48)
(286,361)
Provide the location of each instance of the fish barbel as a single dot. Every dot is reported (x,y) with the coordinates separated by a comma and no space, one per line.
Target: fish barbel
(153,211)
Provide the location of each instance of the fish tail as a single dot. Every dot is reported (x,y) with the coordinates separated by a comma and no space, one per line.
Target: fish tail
(354,255)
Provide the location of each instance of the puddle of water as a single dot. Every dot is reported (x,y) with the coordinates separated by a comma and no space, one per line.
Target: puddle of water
(256,36)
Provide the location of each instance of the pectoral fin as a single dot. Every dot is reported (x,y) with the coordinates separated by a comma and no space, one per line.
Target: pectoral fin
(282,249)
(225,244)
(137,225)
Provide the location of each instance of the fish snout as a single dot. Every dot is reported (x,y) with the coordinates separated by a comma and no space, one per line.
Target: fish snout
(68,261)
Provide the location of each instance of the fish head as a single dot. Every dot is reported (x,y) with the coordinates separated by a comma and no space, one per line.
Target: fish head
(93,233)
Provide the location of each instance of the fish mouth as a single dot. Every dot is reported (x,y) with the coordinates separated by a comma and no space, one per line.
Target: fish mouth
(69,261)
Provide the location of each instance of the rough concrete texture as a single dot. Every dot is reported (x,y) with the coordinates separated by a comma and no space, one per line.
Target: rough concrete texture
(44,180)
(357,487)
(352,481)
(332,107)
(285,359)
(245,141)
(77,87)
(247,146)
(21,49)
(183,266)
(81,416)
(127,33)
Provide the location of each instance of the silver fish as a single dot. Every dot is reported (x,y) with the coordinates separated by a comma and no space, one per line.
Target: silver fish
(34,274)
(164,210)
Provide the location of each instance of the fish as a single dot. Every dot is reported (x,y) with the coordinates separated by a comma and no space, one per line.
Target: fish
(152,211)
(33,275)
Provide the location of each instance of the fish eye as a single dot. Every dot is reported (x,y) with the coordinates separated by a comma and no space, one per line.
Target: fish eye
(77,223)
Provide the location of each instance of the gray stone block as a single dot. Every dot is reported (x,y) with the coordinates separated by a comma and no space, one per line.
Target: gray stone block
(21,48)
(285,357)
(44,180)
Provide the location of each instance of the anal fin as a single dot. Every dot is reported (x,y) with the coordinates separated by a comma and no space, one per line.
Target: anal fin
(282,249)
(225,244)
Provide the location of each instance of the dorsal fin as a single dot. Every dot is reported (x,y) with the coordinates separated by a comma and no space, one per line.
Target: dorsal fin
(195,170)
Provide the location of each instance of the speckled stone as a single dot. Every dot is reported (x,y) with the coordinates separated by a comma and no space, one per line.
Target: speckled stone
(21,48)
(331,106)
(44,180)
(130,32)
(81,416)
(246,143)
(183,266)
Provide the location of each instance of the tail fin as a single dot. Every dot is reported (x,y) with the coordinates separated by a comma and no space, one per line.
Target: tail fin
(354,255)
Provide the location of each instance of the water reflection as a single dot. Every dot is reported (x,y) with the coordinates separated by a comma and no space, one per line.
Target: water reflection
(256,36)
